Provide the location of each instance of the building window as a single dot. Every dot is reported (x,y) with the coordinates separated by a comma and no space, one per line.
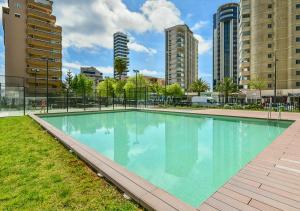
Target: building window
(298,72)
(18,5)
(17,15)
(269,75)
(270,35)
(269,45)
(269,55)
(297,39)
(269,65)
(298,17)
(297,28)
(297,61)
(270,6)
(298,6)
(269,26)
(269,85)
(269,16)
(298,50)
(298,84)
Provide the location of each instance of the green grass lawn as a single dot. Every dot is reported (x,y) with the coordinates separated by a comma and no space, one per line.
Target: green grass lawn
(38,173)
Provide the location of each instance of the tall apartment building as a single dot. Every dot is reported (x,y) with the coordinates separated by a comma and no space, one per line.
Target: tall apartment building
(31,38)
(270,40)
(92,73)
(121,50)
(225,44)
(181,56)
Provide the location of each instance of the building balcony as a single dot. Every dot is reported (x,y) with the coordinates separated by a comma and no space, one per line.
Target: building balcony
(40,6)
(43,44)
(244,82)
(43,82)
(44,34)
(40,15)
(245,73)
(40,63)
(44,53)
(43,72)
(245,65)
(44,25)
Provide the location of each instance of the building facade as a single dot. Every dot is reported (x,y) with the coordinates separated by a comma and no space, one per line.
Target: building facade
(181,56)
(92,73)
(121,50)
(225,43)
(32,42)
(270,43)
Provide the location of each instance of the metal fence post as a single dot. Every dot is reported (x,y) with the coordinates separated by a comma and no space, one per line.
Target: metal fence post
(100,100)
(125,98)
(67,100)
(113,100)
(299,104)
(146,97)
(24,100)
(84,98)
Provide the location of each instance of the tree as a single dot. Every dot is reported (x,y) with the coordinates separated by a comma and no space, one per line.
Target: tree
(118,87)
(106,87)
(258,84)
(82,84)
(227,87)
(120,66)
(157,88)
(199,86)
(69,78)
(175,90)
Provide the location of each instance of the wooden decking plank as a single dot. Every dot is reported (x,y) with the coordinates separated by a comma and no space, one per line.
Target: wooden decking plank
(273,182)
(219,204)
(261,206)
(283,200)
(235,195)
(261,198)
(234,203)
(206,207)
(280,192)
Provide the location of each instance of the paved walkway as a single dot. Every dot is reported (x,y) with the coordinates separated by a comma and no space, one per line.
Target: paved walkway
(269,182)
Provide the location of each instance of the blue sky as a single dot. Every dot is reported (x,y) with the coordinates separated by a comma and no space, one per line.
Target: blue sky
(88,26)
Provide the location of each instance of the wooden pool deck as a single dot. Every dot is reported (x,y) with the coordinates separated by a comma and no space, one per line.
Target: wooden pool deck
(269,182)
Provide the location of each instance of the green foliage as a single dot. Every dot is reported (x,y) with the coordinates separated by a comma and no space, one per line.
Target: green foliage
(141,81)
(175,90)
(157,88)
(118,87)
(258,84)
(120,65)
(106,88)
(82,84)
(38,173)
(199,86)
(226,87)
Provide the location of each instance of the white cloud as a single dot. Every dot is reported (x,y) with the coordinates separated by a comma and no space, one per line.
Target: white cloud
(140,48)
(91,23)
(149,72)
(204,45)
(106,70)
(199,25)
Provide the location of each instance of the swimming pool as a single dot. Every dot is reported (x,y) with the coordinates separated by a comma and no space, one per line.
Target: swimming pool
(189,156)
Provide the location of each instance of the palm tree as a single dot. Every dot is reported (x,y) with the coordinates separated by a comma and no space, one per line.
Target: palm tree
(199,86)
(120,66)
(258,84)
(227,87)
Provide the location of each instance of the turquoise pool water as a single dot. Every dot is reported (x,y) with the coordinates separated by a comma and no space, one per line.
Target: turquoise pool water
(186,155)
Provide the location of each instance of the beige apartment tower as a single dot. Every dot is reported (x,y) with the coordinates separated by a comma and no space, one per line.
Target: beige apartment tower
(270,40)
(181,56)
(32,42)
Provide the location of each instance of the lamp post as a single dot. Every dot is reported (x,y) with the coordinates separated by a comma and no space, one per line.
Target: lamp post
(35,71)
(136,83)
(275,77)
